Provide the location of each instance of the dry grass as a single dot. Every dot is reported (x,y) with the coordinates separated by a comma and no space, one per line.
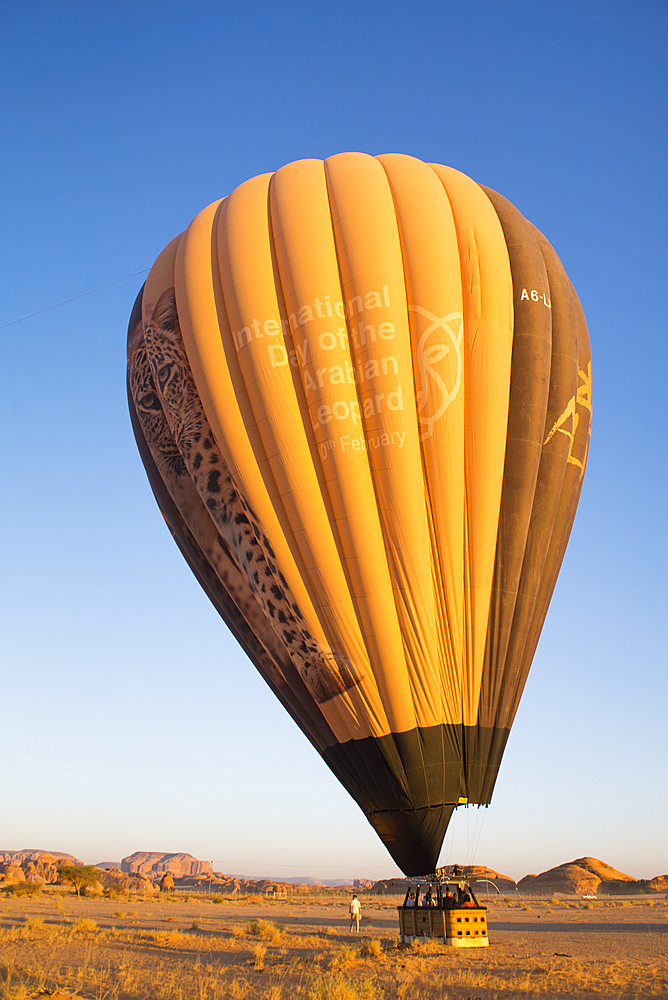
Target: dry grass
(336,986)
(194,951)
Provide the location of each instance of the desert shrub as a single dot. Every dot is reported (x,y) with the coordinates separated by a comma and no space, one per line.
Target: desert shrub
(238,932)
(336,986)
(85,926)
(371,947)
(114,891)
(264,928)
(218,899)
(23,889)
(34,928)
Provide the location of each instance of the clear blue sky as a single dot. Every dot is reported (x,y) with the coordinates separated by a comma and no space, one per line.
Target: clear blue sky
(130,719)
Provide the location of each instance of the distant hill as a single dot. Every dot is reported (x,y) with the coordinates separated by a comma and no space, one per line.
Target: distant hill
(143,870)
(579,876)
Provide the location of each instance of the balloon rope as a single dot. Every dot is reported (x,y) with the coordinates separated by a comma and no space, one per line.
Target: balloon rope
(477,831)
(74,298)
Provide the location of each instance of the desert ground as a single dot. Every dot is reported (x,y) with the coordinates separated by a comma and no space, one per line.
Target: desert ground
(201,948)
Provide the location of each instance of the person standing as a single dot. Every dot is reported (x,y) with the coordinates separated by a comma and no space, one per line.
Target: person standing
(355,910)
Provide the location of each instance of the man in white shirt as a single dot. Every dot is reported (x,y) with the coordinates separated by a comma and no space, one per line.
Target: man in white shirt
(355,910)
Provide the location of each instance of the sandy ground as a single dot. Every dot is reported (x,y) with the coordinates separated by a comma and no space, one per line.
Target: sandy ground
(171,949)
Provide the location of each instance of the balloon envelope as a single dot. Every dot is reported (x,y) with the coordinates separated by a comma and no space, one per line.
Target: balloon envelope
(361,389)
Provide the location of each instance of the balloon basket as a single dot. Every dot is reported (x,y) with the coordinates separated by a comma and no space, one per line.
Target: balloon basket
(439,908)
(465,928)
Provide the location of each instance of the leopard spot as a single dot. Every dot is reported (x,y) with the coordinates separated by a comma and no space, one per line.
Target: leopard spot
(267,545)
(212,484)
(197,461)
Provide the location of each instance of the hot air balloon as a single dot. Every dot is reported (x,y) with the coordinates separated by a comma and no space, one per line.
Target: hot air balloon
(361,389)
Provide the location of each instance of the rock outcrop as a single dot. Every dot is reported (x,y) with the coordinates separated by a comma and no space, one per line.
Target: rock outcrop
(390,886)
(30,854)
(155,863)
(127,883)
(575,877)
(41,869)
(11,874)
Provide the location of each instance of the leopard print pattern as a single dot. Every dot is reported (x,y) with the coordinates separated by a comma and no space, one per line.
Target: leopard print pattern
(175,392)
(173,472)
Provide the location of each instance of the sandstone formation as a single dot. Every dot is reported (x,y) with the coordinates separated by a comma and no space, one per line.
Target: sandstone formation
(30,854)
(126,883)
(166,882)
(155,863)
(578,877)
(31,866)
(145,871)
(11,874)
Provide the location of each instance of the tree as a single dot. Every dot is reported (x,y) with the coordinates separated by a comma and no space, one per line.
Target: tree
(79,875)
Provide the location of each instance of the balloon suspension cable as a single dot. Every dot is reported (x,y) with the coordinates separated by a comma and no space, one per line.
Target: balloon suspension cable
(447,875)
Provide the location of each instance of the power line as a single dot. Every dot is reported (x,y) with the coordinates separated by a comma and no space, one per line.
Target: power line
(74,298)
